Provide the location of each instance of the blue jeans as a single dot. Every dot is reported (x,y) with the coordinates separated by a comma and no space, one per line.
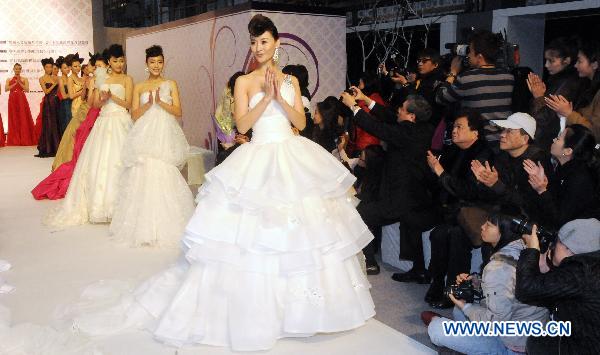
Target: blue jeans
(465,344)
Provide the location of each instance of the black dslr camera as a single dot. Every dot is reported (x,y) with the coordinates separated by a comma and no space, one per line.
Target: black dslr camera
(350,91)
(465,291)
(546,237)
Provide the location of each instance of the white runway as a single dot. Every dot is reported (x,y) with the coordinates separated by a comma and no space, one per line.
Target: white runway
(51,267)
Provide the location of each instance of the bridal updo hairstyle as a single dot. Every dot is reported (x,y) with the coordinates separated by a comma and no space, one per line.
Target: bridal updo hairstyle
(154,51)
(94,57)
(116,51)
(60,61)
(68,60)
(71,58)
(260,24)
(46,61)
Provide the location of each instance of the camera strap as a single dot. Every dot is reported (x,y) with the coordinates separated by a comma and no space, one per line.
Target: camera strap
(549,258)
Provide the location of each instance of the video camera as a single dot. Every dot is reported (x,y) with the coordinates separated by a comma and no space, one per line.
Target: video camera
(509,53)
(524,226)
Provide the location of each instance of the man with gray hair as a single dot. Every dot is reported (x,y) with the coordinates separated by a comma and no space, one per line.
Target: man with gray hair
(566,280)
(404,194)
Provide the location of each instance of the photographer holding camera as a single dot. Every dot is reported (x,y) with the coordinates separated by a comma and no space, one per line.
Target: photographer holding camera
(425,83)
(498,288)
(404,194)
(483,86)
(570,289)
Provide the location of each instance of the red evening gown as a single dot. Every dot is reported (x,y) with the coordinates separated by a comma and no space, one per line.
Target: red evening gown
(20,123)
(2,137)
(55,186)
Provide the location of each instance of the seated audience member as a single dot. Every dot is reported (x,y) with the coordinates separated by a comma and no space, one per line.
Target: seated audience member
(569,286)
(576,192)
(450,247)
(498,287)
(326,126)
(404,194)
(483,87)
(560,56)
(585,110)
(507,182)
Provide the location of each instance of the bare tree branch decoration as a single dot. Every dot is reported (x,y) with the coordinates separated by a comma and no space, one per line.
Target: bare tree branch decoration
(427,24)
(372,32)
(388,40)
(384,43)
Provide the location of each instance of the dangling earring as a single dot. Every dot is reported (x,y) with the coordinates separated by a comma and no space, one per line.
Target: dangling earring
(147,70)
(276,55)
(109,70)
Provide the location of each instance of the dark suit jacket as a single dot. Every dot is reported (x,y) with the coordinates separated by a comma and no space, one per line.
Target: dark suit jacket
(404,193)
(513,188)
(457,183)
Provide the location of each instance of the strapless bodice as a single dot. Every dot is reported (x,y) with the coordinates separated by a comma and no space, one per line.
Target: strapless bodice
(117,90)
(273,125)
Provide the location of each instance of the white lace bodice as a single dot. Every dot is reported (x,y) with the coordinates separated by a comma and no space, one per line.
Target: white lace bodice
(273,125)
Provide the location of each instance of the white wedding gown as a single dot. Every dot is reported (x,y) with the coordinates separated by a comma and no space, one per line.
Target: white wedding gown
(270,252)
(154,202)
(93,188)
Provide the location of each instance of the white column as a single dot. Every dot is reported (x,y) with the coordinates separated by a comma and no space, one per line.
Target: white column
(447,32)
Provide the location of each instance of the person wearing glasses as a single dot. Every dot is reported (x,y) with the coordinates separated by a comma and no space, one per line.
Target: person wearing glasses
(506,181)
(458,188)
(425,83)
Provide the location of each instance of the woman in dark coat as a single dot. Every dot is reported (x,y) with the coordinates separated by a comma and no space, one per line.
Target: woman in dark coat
(560,56)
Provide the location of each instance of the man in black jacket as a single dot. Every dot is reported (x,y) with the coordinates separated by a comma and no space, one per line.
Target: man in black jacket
(570,289)
(450,247)
(403,195)
(429,77)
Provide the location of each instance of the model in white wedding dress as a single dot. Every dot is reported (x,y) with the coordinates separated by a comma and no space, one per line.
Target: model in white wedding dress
(154,202)
(94,185)
(270,252)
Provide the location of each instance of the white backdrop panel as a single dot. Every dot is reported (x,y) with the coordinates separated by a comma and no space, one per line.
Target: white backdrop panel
(34,29)
(201,57)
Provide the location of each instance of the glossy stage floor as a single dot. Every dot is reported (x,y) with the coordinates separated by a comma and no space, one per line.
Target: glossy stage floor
(51,267)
